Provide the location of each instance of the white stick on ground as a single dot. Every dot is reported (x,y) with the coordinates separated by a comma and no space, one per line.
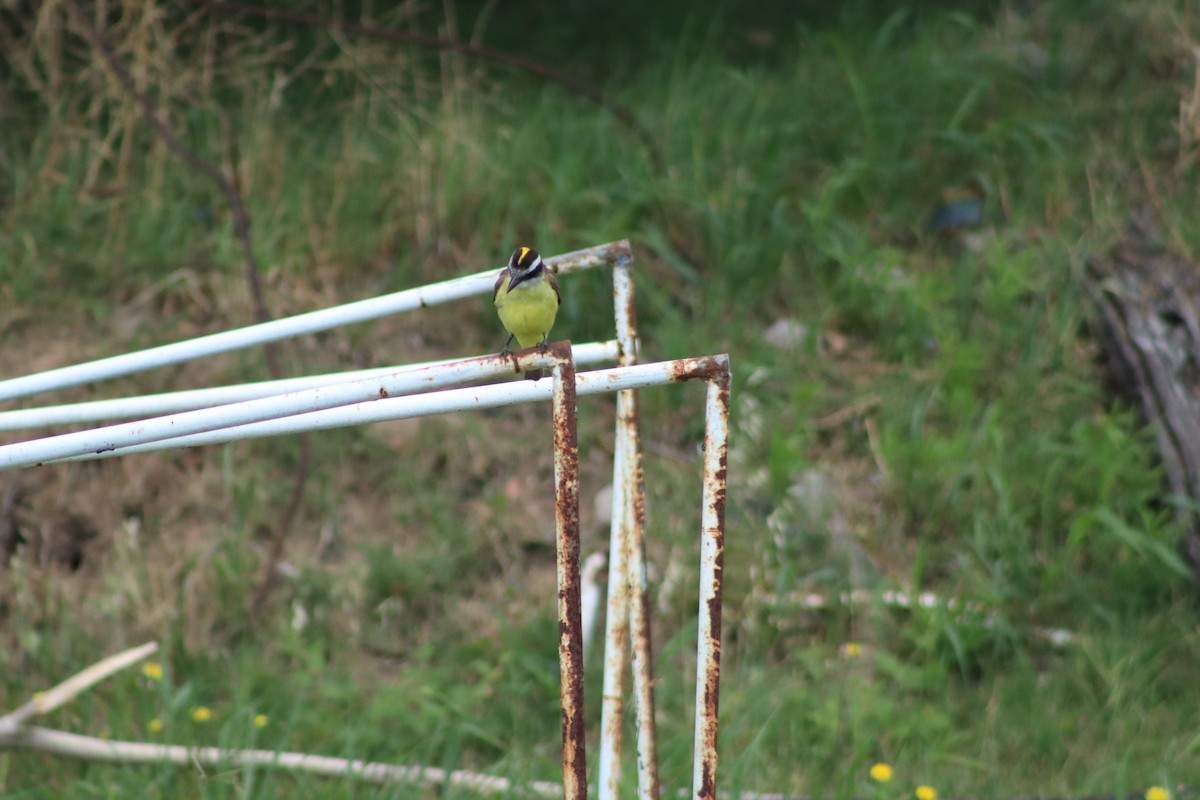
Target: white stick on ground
(93,749)
(45,702)
(15,733)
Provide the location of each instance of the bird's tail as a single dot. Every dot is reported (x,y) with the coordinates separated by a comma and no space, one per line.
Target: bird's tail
(534,374)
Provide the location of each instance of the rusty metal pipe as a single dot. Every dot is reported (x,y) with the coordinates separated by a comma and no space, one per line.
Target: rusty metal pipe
(634,526)
(402,382)
(616,632)
(712,562)
(639,626)
(616,623)
(570,622)
(382,410)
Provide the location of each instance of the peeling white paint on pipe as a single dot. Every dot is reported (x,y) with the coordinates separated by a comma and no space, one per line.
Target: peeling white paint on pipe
(603,381)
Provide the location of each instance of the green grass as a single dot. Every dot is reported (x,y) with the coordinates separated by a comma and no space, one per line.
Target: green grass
(799,176)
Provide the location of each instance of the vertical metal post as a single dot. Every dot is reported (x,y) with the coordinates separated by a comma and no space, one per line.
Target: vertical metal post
(570,623)
(712,558)
(639,624)
(627,571)
(634,514)
(616,623)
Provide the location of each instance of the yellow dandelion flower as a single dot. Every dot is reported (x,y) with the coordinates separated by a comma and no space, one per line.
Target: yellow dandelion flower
(152,670)
(201,713)
(155,725)
(260,720)
(882,772)
(1158,793)
(926,793)
(852,649)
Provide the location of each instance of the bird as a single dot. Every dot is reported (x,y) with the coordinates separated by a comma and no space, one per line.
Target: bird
(526,298)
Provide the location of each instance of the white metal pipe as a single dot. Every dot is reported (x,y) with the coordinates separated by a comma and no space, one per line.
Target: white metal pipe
(175,402)
(616,631)
(634,501)
(113,437)
(275,330)
(712,565)
(639,630)
(602,381)
(616,623)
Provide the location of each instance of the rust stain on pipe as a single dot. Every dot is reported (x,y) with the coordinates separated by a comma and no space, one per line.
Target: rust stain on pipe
(613,253)
(701,368)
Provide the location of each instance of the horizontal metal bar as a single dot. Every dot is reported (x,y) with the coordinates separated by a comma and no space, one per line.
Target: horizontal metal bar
(175,402)
(288,327)
(112,437)
(475,398)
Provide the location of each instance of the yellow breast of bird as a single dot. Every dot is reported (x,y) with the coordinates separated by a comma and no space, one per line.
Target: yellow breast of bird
(528,311)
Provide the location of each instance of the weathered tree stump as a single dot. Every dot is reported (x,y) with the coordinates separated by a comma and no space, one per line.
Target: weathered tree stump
(1148,326)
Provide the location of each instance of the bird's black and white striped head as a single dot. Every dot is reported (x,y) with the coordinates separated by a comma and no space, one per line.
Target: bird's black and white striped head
(525,265)
(525,261)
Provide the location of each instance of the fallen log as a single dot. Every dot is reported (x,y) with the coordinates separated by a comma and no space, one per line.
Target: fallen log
(1146,313)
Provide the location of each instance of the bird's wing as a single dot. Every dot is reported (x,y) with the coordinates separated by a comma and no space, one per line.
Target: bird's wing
(499,280)
(554,285)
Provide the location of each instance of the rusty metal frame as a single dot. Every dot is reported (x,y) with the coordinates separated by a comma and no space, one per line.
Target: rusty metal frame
(628,618)
(628,572)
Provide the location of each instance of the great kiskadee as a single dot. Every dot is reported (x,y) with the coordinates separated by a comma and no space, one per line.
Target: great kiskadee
(526,298)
